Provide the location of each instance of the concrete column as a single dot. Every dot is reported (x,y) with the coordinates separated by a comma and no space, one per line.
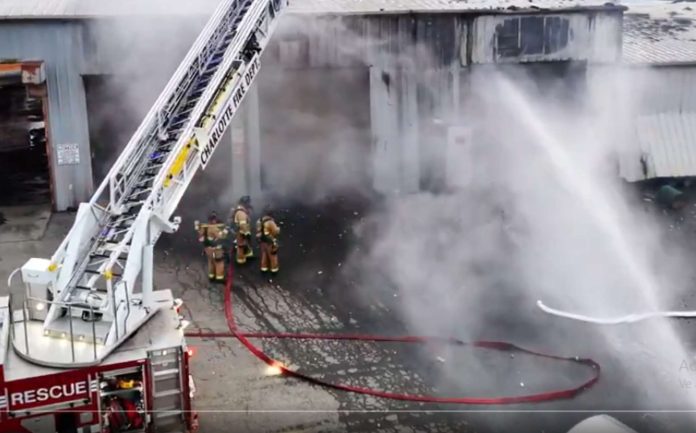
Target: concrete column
(246,148)
(395,132)
(385,123)
(253,139)
(239,157)
(408,131)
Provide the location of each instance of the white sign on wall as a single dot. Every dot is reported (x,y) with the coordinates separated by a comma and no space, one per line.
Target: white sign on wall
(68,154)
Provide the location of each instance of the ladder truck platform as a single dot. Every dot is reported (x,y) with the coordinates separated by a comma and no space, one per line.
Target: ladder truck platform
(144,384)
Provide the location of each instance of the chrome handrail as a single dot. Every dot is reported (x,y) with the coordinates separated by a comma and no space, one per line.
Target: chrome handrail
(72,335)
(26,318)
(125,319)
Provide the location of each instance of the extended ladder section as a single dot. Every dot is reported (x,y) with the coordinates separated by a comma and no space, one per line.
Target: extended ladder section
(87,292)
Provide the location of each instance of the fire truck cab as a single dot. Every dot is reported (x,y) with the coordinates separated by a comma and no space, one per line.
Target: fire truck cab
(142,386)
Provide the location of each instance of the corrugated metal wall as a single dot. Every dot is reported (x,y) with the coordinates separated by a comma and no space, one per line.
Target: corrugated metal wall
(416,64)
(419,67)
(665,88)
(59,45)
(659,139)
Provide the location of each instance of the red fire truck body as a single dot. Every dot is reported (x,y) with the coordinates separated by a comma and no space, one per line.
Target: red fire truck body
(144,386)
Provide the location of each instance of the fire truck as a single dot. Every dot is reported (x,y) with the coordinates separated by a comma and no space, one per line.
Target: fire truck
(86,342)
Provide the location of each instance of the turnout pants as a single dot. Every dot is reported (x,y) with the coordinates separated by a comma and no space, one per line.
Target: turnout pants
(216,263)
(243,249)
(269,257)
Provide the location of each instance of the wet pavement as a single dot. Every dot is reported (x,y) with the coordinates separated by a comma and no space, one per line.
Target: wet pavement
(320,289)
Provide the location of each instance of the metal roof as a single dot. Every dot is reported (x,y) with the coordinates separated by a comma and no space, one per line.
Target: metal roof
(468,6)
(67,9)
(75,9)
(668,143)
(660,34)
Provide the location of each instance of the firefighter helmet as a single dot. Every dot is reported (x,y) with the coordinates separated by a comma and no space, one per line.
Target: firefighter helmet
(245,200)
(212,218)
(268,210)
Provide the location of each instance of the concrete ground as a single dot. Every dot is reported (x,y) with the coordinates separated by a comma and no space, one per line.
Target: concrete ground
(317,292)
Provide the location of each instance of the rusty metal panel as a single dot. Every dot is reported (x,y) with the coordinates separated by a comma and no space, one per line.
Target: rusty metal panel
(33,72)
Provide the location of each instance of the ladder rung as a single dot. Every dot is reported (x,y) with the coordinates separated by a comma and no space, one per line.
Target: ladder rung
(90,271)
(164,373)
(164,413)
(135,194)
(163,361)
(148,179)
(167,393)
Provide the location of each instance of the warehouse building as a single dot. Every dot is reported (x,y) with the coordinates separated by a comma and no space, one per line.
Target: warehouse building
(85,72)
(659,55)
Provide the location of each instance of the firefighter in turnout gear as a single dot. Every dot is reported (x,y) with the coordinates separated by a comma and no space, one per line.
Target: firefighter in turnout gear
(267,232)
(212,235)
(241,221)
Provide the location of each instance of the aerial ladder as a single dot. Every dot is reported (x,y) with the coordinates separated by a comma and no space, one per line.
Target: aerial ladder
(97,288)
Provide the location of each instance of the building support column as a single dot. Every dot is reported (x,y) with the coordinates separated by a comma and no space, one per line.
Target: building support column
(246,148)
(253,139)
(384,121)
(409,132)
(394,119)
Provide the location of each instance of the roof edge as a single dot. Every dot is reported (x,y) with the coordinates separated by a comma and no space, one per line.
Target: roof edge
(608,7)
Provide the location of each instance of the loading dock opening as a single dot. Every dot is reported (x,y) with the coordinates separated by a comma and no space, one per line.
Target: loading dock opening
(25,174)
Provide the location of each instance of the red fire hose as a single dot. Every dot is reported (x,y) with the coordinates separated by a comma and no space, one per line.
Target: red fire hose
(244,337)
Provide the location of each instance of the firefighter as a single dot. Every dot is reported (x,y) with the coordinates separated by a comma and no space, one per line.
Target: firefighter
(241,222)
(267,232)
(212,236)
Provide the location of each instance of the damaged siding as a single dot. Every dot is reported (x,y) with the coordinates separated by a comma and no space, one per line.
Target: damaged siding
(591,37)
(353,41)
(419,67)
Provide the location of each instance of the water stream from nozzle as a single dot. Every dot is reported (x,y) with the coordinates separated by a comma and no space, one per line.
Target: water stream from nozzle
(601,211)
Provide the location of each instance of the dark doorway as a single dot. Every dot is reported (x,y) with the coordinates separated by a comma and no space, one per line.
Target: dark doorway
(113,118)
(24,171)
(315,131)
